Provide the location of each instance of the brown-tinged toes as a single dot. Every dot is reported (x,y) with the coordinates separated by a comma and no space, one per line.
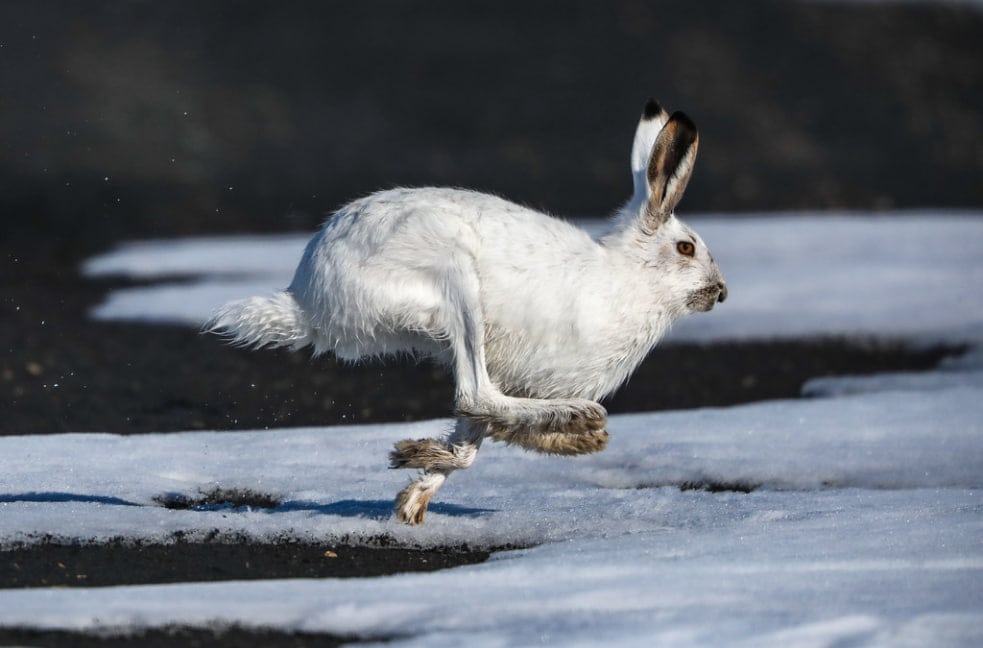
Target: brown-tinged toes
(585,424)
(412,513)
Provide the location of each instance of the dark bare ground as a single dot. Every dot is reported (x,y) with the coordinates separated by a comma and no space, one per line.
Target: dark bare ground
(233,637)
(127,563)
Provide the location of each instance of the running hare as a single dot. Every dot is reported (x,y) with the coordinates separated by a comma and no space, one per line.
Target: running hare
(536,319)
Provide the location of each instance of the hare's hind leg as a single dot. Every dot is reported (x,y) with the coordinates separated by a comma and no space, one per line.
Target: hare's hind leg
(437,459)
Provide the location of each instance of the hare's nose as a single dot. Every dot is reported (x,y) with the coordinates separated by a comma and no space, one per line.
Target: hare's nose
(723,292)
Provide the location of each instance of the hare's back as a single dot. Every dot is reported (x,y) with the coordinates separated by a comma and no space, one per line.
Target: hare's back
(444,221)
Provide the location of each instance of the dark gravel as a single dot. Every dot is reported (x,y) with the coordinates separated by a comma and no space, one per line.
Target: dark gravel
(231,637)
(126,563)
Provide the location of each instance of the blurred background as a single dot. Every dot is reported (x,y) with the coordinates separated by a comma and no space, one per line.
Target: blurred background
(132,119)
(156,119)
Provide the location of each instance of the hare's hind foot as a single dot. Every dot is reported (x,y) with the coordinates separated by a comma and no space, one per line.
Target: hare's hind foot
(437,458)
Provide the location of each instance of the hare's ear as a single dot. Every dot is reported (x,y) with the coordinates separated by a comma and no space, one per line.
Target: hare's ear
(654,117)
(670,167)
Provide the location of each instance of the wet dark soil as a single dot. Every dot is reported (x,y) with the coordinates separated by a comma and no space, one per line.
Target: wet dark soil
(232,637)
(127,563)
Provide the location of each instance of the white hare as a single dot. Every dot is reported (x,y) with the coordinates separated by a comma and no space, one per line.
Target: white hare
(537,320)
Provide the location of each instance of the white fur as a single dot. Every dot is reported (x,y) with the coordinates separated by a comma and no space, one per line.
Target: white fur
(536,319)
(641,152)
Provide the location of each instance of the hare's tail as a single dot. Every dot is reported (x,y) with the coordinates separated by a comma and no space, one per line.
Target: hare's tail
(256,322)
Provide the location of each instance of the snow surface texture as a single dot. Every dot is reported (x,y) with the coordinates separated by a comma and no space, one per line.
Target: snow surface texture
(863,524)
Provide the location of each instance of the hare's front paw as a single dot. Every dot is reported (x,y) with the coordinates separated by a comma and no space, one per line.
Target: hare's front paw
(561,414)
(564,427)
(570,441)
(569,416)
(579,416)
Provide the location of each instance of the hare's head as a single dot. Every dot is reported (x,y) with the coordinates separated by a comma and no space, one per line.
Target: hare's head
(662,162)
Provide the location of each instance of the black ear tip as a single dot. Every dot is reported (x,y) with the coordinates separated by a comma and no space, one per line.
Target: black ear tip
(652,109)
(684,121)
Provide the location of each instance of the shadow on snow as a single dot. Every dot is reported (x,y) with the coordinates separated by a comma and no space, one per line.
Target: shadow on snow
(376,509)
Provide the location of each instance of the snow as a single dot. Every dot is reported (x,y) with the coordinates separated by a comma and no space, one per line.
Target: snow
(852,516)
(866,526)
(333,483)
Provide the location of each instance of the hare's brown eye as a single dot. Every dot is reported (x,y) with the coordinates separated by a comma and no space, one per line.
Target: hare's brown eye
(685,248)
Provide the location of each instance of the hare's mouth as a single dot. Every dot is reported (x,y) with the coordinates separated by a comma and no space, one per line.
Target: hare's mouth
(706,298)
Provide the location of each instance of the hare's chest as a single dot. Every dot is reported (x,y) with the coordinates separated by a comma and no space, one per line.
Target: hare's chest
(584,345)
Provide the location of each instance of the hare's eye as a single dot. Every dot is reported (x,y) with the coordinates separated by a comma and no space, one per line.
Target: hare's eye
(685,248)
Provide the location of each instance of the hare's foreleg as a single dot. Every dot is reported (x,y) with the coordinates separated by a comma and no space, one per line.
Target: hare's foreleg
(559,426)
(437,459)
